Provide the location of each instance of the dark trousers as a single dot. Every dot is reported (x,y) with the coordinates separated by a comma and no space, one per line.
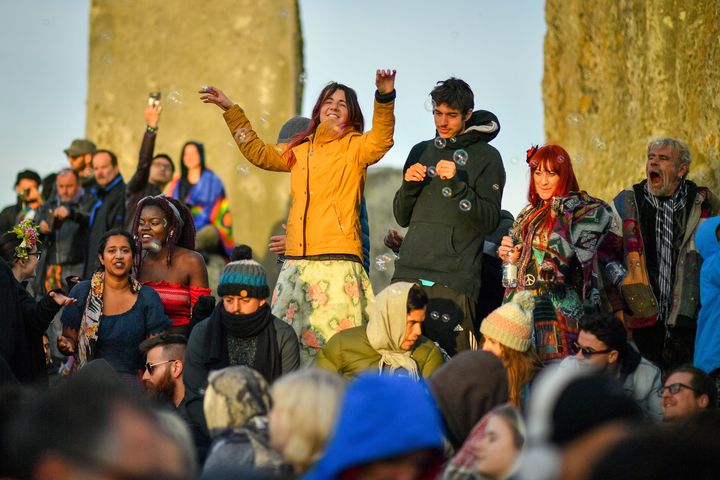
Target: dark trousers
(449,319)
(668,347)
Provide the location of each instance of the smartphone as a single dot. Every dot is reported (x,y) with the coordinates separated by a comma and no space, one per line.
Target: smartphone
(154,98)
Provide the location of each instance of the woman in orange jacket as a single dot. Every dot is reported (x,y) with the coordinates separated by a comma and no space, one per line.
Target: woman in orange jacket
(322,288)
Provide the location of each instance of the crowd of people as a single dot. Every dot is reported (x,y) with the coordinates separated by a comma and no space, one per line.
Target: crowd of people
(578,340)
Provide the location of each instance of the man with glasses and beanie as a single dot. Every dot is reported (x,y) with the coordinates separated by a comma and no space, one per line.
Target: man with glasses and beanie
(687,391)
(602,345)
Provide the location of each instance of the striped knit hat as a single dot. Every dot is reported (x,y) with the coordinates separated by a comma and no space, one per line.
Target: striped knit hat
(511,324)
(245,278)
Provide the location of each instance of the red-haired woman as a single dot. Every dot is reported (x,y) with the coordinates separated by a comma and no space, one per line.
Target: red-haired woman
(554,243)
(166,259)
(322,288)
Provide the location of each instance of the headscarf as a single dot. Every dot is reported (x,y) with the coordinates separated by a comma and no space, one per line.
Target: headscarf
(387,326)
(467,387)
(238,395)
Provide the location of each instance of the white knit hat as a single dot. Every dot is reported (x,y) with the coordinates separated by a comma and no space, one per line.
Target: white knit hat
(511,324)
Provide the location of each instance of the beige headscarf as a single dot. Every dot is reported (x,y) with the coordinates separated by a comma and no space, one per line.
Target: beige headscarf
(386,328)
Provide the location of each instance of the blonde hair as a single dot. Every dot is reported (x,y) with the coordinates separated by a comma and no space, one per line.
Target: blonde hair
(305,405)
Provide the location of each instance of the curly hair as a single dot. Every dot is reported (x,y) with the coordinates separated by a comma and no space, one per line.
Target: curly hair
(179,223)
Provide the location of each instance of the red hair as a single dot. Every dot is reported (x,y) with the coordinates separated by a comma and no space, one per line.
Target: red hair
(355,122)
(556,159)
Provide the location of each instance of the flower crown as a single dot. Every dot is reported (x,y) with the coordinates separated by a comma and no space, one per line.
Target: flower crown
(29,235)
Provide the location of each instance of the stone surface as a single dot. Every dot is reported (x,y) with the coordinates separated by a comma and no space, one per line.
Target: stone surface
(251,50)
(618,73)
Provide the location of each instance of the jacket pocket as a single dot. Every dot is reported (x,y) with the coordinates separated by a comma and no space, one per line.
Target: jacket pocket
(430,246)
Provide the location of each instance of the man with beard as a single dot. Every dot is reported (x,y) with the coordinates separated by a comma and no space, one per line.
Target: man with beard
(651,264)
(165,362)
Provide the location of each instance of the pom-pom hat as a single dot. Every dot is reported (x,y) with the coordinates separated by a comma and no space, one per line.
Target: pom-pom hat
(511,324)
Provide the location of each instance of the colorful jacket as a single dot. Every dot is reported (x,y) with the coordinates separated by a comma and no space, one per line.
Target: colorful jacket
(624,245)
(707,339)
(326,181)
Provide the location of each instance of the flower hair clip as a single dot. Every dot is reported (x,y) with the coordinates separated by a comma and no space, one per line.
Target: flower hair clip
(530,153)
(26,231)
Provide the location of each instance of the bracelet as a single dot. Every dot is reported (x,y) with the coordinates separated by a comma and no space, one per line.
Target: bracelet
(151,129)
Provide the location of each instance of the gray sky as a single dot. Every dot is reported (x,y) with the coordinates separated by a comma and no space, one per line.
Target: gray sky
(497,47)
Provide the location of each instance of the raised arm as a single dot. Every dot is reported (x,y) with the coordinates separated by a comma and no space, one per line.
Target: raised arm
(255,150)
(140,179)
(377,142)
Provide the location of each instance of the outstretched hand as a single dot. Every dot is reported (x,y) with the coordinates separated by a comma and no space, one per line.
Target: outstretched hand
(61,299)
(385,81)
(210,94)
(152,113)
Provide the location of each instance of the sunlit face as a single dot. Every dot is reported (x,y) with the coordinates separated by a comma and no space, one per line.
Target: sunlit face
(161,171)
(663,171)
(496,451)
(492,346)
(546,182)
(103,169)
(685,403)
(413,327)
(449,122)
(27,188)
(117,256)
(238,305)
(67,186)
(152,226)
(191,157)
(335,108)
(602,359)
(161,377)
(79,162)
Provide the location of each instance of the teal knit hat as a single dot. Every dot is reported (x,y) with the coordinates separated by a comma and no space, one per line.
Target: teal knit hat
(244,278)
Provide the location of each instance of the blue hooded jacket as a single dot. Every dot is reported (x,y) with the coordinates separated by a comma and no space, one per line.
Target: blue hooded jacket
(382,416)
(707,339)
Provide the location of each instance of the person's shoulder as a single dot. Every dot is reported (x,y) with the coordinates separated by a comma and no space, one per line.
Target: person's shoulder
(187,255)
(282,326)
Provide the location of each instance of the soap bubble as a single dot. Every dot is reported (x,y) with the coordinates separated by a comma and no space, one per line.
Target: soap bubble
(496,187)
(429,104)
(388,257)
(598,142)
(447,192)
(561,159)
(242,135)
(205,89)
(154,246)
(579,158)
(174,99)
(242,170)
(454,35)
(434,315)
(514,161)
(283,12)
(453,139)
(302,78)
(106,35)
(445,318)
(460,157)
(440,142)
(265,117)
(574,119)
(432,171)
(465,205)
(380,263)
(107,58)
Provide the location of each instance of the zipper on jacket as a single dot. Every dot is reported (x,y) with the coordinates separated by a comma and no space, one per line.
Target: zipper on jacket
(307,200)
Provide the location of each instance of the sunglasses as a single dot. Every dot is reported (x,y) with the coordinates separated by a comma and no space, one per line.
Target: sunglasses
(675,388)
(150,367)
(588,353)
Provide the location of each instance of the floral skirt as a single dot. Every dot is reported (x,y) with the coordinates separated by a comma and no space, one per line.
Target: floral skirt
(319,298)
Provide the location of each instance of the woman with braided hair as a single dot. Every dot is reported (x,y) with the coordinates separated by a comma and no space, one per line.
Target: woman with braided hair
(166,259)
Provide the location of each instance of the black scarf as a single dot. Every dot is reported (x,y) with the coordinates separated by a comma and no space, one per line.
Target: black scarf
(259,324)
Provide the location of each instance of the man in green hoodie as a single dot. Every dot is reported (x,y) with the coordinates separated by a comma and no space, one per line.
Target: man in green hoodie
(450,200)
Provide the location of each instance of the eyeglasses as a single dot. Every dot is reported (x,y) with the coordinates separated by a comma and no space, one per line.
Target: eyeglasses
(39,254)
(675,388)
(587,353)
(150,367)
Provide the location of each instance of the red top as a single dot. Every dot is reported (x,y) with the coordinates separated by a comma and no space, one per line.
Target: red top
(178,299)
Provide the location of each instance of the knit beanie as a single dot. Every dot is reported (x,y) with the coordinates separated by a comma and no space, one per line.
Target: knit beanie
(511,324)
(245,278)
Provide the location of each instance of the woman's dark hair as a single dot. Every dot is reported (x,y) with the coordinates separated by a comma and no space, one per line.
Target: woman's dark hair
(454,93)
(201,153)
(608,329)
(182,226)
(356,121)
(114,233)
(417,298)
(8,242)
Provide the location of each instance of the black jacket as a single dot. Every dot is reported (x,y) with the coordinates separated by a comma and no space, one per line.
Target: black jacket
(444,243)
(102,211)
